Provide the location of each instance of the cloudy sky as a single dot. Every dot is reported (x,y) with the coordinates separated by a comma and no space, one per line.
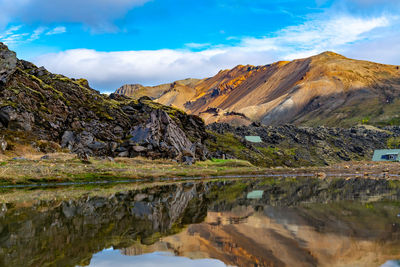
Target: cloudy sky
(114,42)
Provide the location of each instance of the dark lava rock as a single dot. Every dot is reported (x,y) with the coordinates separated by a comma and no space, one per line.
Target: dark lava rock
(163,135)
(44,106)
(291,144)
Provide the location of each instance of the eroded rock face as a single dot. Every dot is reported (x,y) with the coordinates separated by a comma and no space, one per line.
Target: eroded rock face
(161,135)
(158,137)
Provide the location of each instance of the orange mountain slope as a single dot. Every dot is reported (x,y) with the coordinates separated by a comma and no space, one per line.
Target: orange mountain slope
(326,89)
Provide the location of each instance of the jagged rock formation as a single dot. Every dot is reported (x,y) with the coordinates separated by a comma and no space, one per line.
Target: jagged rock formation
(326,89)
(38,105)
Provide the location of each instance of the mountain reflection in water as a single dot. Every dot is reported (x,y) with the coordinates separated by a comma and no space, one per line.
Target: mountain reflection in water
(284,222)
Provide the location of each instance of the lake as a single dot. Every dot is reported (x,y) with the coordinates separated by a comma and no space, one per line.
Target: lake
(280,221)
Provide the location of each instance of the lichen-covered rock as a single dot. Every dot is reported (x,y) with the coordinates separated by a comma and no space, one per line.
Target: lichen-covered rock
(8,63)
(15,120)
(160,137)
(45,106)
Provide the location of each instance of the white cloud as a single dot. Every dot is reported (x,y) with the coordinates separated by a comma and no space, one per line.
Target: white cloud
(15,35)
(316,35)
(197,45)
(109,70)
(384,49)
(14,38)
(98,14)
(36,34)
(57,30)
(10,31)
(12,35)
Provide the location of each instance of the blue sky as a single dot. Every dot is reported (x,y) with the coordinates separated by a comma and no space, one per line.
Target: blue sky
(110,257)
(113,42)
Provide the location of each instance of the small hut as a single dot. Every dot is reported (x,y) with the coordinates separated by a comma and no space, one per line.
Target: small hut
(387,155)
(253,139)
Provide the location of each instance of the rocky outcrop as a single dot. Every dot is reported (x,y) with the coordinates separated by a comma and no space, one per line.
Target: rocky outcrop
(39,105)
(8,63)
(299,146)
(160,135)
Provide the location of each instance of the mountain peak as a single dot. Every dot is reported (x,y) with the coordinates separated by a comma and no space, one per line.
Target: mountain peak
(329,54)
(3,46)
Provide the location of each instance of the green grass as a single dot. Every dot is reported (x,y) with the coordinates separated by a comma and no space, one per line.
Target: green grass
(259,154)
(66,168)
(229,194)
(224,163)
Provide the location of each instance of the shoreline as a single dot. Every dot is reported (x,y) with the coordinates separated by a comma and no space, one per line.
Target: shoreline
(66,169)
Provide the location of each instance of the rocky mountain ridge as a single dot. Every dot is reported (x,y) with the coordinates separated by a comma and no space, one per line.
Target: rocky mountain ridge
(45,109)
(327,89)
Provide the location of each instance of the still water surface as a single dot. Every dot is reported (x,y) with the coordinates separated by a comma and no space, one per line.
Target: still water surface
(247,222)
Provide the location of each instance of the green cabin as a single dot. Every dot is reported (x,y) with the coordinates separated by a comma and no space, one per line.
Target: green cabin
(256,194)
(386,155)
(253,139)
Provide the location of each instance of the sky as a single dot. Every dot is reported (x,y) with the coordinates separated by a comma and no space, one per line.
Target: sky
(116,42)
(111,257)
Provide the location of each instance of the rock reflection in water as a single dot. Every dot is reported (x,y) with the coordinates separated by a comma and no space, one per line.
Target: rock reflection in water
(296,222)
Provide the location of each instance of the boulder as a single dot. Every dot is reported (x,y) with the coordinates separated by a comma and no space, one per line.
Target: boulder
(15,120)
(139,148)
(84,139)
(163,136)
(68,140)
(97,146)
(123,154)
(188,160)
(3,144)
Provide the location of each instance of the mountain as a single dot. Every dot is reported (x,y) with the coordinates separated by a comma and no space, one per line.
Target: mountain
(50,112)
(327,89)
(47,110)
(175,93)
